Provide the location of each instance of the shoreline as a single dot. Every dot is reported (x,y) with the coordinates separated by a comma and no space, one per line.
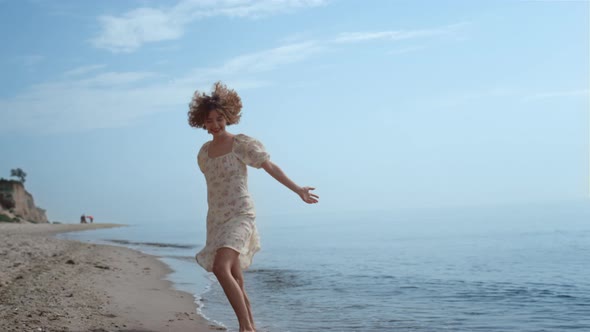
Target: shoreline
(51,284)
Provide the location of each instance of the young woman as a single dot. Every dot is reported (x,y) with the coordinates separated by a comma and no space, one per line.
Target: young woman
(232,238)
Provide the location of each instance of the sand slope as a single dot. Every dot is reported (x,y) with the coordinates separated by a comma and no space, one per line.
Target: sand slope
(48,284)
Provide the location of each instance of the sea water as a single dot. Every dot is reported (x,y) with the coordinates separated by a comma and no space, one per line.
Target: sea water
(510,268)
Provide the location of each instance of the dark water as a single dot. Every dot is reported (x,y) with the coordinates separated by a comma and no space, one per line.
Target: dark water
(495,269)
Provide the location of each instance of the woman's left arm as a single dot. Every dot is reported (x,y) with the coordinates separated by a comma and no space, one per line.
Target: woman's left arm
(277,173)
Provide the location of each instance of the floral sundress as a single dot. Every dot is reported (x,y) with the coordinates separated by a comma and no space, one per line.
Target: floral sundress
(231,215)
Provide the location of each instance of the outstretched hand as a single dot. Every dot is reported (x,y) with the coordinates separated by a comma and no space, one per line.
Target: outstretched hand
(307,196)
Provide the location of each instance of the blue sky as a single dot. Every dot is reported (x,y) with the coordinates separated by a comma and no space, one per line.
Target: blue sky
(381,105)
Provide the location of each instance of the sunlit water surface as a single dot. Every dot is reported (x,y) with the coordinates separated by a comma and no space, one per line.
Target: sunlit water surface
(479,269)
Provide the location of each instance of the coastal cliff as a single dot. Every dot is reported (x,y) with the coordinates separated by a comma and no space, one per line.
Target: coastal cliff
(17,204)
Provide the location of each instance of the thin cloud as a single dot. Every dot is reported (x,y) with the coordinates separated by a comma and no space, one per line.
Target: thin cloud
(128,32)
(270,59)
(243,8)
(557,94)
(103,99)
(246,65)
(116,99)
(116,79)
(394,35)
(83,70)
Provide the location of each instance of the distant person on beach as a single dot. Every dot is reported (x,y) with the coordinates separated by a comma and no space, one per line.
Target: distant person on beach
(91,219)
(83,219)
(232,237)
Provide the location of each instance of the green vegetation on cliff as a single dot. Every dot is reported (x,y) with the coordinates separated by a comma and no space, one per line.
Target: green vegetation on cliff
(18,173)
(5,218)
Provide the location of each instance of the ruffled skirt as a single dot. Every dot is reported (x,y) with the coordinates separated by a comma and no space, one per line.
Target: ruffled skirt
(238,233)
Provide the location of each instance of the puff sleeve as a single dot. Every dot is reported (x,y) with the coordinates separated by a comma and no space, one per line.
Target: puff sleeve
(250,151)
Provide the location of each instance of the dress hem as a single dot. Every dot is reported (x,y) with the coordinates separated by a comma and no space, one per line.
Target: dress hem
(241,257)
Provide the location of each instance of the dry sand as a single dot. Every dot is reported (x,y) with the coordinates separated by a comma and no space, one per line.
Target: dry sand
(48,284)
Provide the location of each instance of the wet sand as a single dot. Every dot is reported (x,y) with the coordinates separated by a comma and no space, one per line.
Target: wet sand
(48,284)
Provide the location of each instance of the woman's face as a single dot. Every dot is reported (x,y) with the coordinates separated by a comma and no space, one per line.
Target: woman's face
(215,123)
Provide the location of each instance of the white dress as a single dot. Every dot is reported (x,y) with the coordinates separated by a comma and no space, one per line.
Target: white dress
(231,214)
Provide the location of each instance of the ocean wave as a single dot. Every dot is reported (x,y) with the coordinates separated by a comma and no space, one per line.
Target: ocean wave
(153,244)
(276,279)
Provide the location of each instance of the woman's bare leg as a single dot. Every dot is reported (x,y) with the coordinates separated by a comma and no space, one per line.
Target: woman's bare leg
(222,266)
(236,271)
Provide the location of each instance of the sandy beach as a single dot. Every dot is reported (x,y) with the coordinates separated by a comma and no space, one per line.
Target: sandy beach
(48,284)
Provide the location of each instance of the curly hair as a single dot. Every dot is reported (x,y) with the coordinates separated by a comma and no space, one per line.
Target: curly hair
(223,100)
